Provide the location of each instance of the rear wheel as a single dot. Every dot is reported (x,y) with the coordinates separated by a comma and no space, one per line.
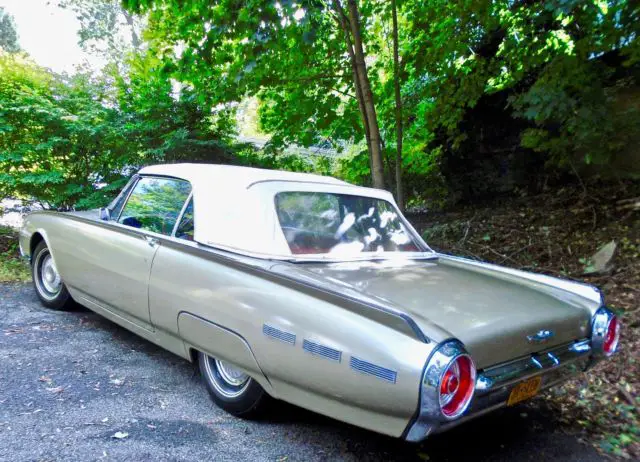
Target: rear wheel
(47,281)
(231,388)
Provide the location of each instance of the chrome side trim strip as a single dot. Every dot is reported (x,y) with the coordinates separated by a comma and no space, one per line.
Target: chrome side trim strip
(373,369)
(321,350)
(278,334)
(583,290)
(259,266)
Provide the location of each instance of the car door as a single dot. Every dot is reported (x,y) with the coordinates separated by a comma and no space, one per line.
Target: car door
(121,254)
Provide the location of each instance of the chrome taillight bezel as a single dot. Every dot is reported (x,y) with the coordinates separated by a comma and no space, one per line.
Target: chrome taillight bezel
(444,356)
(602,320)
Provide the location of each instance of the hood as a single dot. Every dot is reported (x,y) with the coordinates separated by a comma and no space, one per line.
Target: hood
(490,312)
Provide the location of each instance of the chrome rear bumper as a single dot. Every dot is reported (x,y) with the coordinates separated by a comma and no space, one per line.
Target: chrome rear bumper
(555,366)
(494,384)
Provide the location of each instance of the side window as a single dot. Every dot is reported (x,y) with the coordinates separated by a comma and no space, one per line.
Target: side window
(185,228)
(155,204)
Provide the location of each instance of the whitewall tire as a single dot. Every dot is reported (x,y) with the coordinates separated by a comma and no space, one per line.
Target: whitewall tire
(231,388)
(47,281)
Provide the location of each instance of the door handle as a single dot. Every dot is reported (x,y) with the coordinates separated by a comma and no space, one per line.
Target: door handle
(152,241)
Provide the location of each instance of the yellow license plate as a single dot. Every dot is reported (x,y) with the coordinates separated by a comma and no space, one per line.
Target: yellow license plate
(524,390)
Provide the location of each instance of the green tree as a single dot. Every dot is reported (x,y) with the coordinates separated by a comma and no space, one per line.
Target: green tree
(561,63)
(58,139)
(165,121)
(398,103)
(8,33)
(106,28)
(63,137)
(306,60)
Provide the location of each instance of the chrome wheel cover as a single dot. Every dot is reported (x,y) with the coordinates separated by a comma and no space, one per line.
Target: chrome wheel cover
(227,379)
(47,278)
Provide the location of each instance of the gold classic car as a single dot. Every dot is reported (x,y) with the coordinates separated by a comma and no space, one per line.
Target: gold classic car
(307,289)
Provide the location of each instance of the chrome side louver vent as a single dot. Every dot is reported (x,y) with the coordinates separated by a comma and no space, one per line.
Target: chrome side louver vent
(321,350)
(278,334)
(373,369)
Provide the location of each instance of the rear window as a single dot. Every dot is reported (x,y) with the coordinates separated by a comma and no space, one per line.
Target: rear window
(341,224)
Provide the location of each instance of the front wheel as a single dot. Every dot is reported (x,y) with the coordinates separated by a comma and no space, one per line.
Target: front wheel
(47,281)
(231,388)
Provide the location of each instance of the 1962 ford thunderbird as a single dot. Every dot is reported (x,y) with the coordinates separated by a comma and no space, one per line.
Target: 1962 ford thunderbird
(313,291)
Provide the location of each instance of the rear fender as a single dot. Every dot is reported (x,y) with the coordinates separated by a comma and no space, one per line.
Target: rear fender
(198,334)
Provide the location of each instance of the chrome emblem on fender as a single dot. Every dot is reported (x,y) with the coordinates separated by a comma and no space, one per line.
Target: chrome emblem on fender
(540,336)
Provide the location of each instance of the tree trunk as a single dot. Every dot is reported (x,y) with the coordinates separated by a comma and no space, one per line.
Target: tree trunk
(377,173)
(135,40)
(343,22)
(396,87)
(365,122)
(351,28)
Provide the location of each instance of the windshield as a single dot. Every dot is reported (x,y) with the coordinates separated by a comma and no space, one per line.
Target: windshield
(341,224)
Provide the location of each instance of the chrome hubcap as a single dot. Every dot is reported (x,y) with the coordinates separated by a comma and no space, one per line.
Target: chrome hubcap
(228,380)
(46,277)
(231,374)
(50,277)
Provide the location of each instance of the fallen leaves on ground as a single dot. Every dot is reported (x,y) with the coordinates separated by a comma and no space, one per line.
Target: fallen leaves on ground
(557,233)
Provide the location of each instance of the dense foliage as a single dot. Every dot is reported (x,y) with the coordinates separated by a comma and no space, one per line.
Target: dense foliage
(72,140)
(490,96)
(54,134)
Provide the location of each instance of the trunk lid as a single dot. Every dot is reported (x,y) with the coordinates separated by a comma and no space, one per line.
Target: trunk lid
(491,315)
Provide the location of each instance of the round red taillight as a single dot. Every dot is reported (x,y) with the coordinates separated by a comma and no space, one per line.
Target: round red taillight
(457,386)
(613,335)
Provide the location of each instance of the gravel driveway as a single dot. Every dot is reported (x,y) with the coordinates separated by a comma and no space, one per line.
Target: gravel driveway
(71,381)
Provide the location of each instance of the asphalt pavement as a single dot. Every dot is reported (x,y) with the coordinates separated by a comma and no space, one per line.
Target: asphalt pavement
(74,386)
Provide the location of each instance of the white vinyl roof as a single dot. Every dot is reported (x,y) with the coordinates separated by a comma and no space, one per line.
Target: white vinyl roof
(234,207)
(230,175)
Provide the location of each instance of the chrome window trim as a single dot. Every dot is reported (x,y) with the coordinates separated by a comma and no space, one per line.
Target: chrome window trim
(127,190)
(131,180)
(279,180)
(315,258)
(181,214)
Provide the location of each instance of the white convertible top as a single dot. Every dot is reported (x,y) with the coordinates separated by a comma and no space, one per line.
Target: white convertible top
(234,207)
(230,175)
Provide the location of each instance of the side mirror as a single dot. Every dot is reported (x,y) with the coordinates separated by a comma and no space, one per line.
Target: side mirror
(105,214)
